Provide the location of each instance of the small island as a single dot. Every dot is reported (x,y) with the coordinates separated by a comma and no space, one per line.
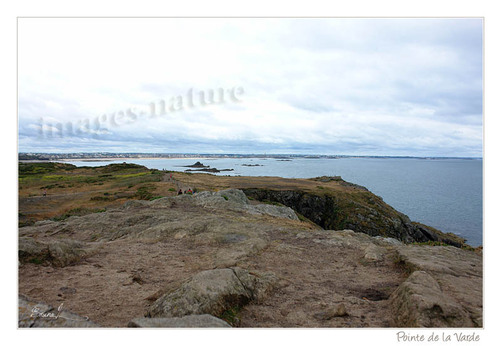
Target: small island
(202,168)
(198,164)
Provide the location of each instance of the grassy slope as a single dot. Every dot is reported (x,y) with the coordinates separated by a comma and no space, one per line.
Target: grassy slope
(76,191)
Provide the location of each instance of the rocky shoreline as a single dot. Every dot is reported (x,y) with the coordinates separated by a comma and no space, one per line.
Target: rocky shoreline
(219,259)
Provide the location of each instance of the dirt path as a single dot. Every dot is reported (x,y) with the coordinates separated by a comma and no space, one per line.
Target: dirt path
(319,277)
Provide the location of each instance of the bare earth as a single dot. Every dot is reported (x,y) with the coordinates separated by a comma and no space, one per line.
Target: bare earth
(124,276)
(112,266)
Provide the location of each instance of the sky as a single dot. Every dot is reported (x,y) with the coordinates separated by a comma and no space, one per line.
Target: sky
(409,87)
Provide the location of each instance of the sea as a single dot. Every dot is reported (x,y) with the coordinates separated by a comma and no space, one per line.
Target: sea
(446,194)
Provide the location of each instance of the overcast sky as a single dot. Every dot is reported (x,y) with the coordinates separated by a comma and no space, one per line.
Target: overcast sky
(323,86)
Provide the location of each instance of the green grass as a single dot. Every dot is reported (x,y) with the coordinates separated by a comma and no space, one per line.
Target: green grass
(36,260)
(37,168)
(232,316)
(146,193)
(133,180)
(121,176)
(56,177)
(272,203)
(119,167)
(100,198)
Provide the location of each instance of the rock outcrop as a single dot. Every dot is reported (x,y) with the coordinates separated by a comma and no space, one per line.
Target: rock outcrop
(234,199)
(450,272)
(57,252)
(420,302)
(214,292)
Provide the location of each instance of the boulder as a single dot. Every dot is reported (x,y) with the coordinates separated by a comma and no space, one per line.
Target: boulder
(235,199)
(30,250)
(213,292)
(276,211)
(57,252)
(222,198)
(190,321)
(420,302)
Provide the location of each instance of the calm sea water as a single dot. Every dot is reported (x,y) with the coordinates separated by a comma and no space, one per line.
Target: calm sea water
(446,194)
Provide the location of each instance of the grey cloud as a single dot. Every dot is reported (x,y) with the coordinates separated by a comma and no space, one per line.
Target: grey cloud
(361,85)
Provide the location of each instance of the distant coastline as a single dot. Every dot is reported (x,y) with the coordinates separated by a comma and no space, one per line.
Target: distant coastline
(89,157)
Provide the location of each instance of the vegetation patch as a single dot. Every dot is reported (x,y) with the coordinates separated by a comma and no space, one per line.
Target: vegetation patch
(117,167)
(78,212)
(28,169)
(232,316)
(146,192)
(100,198)
(133,175)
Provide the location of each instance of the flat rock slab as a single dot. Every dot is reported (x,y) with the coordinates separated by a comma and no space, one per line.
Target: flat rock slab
(190,321)
(458,272)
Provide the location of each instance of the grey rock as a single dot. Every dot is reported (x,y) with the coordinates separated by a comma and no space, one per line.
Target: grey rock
(389,241)
(233,195)
(441,260)
(420,302)
(276,210)
(374,253)
(57,252)
(337,311)
(39,315)
(31,250)
(459,273)
(234,199)
(213,292)
(222,198)
(190,321)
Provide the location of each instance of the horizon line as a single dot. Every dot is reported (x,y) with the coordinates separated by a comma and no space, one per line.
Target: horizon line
(248,154)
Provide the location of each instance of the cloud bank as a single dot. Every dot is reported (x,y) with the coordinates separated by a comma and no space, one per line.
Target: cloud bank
(322,86)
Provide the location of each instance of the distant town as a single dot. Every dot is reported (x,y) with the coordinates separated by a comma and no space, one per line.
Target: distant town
(117,156)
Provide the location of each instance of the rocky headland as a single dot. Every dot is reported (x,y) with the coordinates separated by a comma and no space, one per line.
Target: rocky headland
(240,252)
